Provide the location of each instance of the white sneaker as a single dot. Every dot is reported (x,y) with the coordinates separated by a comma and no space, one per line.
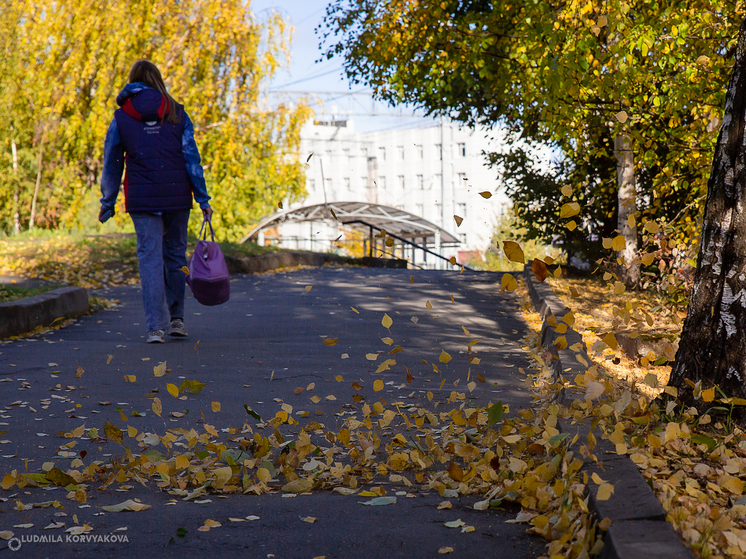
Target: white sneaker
(177,328)
(156,337)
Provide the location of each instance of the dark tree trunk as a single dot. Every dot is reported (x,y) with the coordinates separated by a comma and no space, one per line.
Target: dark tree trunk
(713,341)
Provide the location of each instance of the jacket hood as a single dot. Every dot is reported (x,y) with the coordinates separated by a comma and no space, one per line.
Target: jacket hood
(145,101)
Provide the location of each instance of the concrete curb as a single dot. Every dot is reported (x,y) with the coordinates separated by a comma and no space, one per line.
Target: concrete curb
(638,520)
(282,259)
(23,315)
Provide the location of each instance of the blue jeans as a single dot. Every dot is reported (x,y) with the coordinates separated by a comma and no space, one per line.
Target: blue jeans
(161,252)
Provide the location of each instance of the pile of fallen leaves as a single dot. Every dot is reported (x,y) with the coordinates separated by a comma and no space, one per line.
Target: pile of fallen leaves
(695,462)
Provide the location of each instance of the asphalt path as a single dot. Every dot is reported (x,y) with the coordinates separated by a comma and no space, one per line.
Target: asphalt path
(261,349)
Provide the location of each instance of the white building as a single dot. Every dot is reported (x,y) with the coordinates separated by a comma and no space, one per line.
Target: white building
(403,168)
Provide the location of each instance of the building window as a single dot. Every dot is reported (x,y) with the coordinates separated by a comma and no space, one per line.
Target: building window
(311,184)
(400,149)
(382,154)
(420,151)
(382,182)
(347,153)
(347,182)
(401,181)
(438,180)
(328,186)
(421,182)
(462,238)
(439,151)
(364,182)
(437,210)
(364,151)
(462,149)
(420,209)
(461,179)
(461,210)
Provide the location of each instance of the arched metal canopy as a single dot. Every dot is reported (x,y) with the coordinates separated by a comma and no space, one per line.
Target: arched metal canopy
(361,216)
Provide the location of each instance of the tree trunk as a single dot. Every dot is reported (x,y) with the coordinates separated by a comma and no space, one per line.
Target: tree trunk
(629,264)
(38,182)
(712,347)
(16,188)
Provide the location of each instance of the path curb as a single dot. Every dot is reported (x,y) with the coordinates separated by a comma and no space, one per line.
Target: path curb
(23,315)
(638,520)
(282,259)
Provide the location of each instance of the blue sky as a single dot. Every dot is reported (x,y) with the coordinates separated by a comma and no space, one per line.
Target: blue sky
(307,73)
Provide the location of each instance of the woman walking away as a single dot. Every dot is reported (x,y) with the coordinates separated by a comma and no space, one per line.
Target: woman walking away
(155,136)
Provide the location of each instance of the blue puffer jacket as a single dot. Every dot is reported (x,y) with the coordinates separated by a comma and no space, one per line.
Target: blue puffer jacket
(163,163)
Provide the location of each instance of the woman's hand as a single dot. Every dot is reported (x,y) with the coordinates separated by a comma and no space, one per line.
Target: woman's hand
(207,213)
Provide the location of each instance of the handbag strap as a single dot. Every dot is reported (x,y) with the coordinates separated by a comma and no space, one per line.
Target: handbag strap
(212,231)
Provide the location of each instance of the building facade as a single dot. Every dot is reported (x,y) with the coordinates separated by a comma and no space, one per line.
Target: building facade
(435,171)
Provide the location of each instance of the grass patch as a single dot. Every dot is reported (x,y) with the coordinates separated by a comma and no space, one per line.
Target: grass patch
(90,261)
(10,293)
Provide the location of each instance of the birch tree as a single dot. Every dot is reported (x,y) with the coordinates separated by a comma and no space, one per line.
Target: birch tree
(712,349)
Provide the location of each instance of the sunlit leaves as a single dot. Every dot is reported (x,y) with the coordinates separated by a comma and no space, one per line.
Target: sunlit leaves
(173,390)
(539,269)
(330,341)
(386,321)
(514,252)
(508,282)
(113,432)
(157,406)
(160,369)
(569,209)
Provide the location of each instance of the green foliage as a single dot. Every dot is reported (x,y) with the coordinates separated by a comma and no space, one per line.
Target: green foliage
(62,64)
(573,75)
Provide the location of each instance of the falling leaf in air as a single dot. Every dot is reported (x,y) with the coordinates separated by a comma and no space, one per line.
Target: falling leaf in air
(444,357)
(428,305)
(279,204)
(458,220)
(486,195)
(185,270)
(605,491)
(508,282)
(514,252)
(540,269)
(79,372)
(569,210)
(309,287)
(309,157)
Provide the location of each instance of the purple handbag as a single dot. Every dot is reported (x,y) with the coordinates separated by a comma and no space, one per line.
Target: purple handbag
(208,273)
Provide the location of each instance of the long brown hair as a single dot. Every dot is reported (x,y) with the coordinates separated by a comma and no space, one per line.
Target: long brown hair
(146,72)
